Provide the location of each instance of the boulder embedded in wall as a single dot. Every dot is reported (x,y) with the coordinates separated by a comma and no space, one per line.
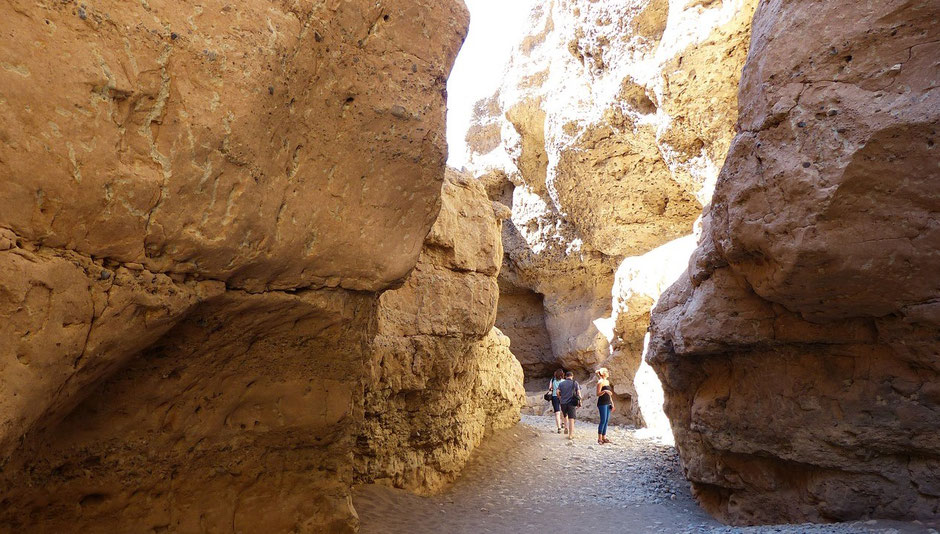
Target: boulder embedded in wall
(610,125)
(217,188)
(441,375)
(818,267)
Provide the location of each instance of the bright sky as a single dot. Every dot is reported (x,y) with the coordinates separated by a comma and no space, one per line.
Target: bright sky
(495,26)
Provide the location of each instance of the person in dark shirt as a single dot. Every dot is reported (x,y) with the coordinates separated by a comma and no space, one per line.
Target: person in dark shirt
(569,392)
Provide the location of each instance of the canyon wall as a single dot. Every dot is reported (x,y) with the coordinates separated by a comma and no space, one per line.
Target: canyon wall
(605,139)
(799,353)
(440,375)
(200,206)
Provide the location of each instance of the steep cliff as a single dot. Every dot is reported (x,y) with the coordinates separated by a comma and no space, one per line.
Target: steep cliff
(799,354)
(606,138)
(199,206)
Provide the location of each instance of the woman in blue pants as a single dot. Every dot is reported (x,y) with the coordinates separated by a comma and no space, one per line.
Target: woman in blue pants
(605,403)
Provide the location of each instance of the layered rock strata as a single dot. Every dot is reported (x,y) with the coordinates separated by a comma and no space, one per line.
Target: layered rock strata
(440,374)
(605,139)
(199,207)
(799,354)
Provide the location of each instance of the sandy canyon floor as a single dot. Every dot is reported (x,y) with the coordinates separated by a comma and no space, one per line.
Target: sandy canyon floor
(528,479)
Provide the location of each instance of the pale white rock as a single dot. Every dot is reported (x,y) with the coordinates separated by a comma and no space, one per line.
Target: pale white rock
(605,137)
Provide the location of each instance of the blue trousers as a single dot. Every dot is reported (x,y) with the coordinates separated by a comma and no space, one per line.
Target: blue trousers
(605,417)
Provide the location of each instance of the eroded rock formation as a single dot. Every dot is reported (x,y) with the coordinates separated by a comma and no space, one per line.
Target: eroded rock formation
(799,354)
(606,138)
(521,316)
(440,375)
(199,208)
(238,419)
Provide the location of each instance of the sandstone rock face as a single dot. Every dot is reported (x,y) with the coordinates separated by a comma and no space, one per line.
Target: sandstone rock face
(606,138)
(259,410)
(225,424)
(199,205)
(211,139)
(521,316)
(440,376)
(68,322)
(799,354)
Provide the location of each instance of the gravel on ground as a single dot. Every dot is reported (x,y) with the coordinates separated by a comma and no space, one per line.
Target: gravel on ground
(531,479)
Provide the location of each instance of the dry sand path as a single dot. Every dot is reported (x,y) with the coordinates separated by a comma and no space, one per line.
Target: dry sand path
(528,479)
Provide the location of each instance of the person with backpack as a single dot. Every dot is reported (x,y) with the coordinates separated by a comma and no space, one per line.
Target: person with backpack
(569,393)
(552,395)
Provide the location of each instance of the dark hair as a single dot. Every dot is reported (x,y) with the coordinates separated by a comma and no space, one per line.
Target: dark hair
(569,374)
(559,374)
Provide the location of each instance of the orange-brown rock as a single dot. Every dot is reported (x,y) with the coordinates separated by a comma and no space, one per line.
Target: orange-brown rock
(67,322)
(799,353)
(199,206)
(221,139)
(259,410)
(521,316)
(238,419)
(440,375)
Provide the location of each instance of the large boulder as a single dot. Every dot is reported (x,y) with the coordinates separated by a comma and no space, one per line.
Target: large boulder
(223,140)
(199,206)
(799,353)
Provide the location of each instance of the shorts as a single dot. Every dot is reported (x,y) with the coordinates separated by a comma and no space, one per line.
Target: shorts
(569,410)
(556,405)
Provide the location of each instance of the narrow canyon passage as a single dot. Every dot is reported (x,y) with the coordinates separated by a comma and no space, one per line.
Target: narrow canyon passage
(528,479)
(293,267)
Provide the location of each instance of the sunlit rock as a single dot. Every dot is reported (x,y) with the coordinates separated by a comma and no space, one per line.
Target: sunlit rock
(606,137)
(440,376)
(799,353)
(200,204)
